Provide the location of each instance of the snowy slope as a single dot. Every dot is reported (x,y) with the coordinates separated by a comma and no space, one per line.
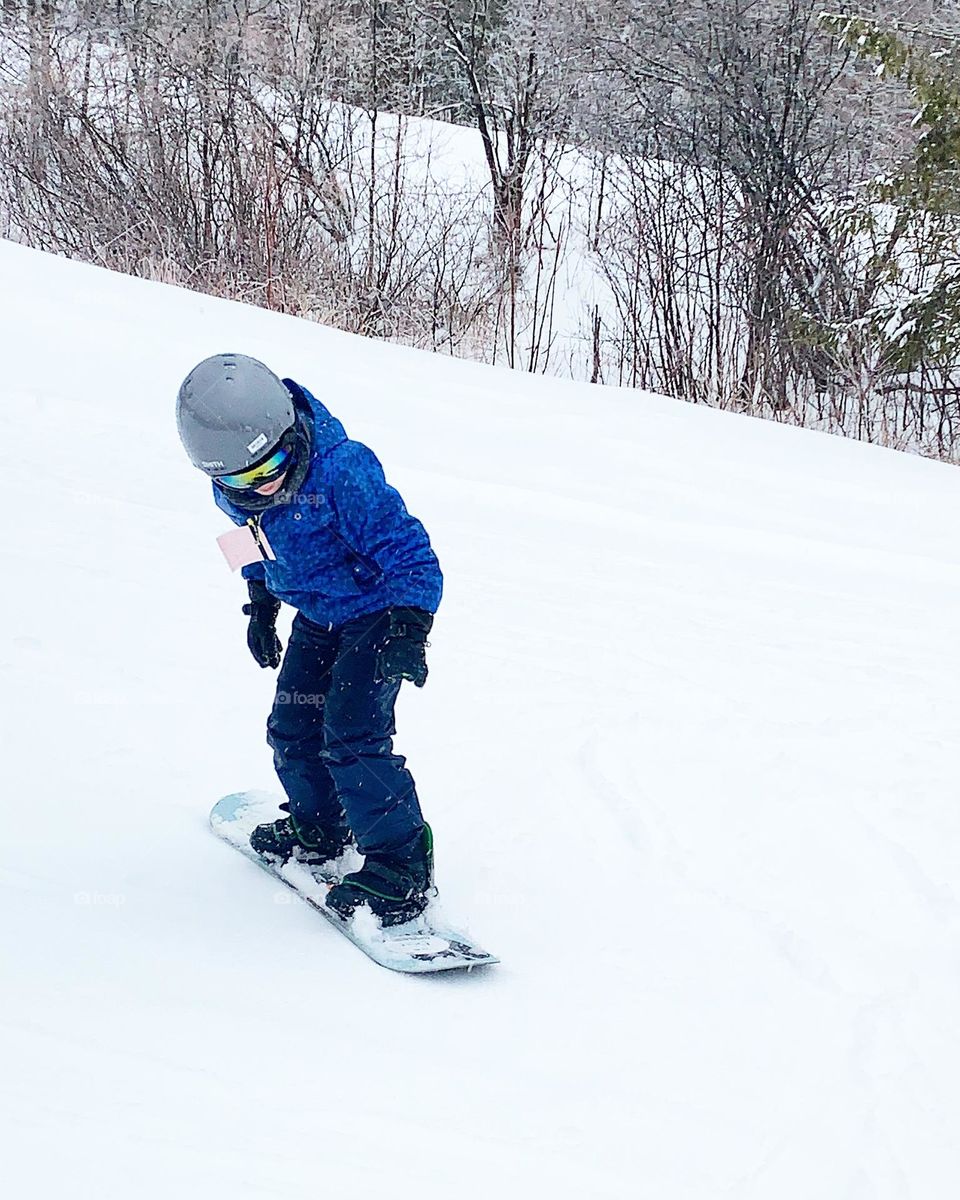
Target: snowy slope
(689,746)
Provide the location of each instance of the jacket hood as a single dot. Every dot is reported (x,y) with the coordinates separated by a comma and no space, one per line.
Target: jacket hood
(327,430)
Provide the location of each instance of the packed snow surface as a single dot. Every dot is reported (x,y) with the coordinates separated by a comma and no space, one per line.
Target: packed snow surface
(689,746)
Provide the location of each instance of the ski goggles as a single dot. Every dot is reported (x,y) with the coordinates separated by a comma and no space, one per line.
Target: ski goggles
(264,472)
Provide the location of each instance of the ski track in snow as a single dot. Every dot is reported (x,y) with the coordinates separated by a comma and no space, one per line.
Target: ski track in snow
(689,746)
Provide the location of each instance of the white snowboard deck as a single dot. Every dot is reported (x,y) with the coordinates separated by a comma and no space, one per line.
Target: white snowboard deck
(424,945)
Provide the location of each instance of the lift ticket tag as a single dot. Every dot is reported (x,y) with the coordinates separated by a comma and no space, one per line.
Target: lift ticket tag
(245,545)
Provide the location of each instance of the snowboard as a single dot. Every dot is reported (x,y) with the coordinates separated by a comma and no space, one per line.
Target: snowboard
(421,946)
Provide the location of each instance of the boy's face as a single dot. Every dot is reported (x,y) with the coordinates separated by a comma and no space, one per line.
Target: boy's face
(274,485)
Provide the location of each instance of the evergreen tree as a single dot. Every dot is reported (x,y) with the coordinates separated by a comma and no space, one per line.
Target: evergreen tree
(902,231)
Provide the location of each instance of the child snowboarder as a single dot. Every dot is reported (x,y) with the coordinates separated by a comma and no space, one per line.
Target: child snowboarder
(365,581)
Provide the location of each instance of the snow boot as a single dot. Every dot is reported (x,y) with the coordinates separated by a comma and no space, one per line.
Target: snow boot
(395,887)
(304,841)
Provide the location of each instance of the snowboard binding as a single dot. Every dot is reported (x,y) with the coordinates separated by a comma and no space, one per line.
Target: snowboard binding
(396,890)
(288,839)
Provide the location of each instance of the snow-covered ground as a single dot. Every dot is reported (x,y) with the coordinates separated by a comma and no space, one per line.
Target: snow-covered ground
(689,747)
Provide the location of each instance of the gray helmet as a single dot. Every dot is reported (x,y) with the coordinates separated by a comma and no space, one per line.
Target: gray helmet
(231,412)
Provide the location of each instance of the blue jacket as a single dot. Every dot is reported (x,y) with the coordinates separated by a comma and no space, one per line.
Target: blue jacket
(345,544)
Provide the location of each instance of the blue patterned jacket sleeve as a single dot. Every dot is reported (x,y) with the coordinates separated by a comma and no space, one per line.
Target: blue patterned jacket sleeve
(374,518)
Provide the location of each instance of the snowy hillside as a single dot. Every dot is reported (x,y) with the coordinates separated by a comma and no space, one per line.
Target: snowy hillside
(689,746)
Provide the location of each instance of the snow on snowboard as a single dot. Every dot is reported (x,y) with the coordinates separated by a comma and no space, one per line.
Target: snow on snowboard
(420,946)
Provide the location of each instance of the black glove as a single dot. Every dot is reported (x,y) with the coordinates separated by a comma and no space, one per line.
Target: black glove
(261,632)
(403,655)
